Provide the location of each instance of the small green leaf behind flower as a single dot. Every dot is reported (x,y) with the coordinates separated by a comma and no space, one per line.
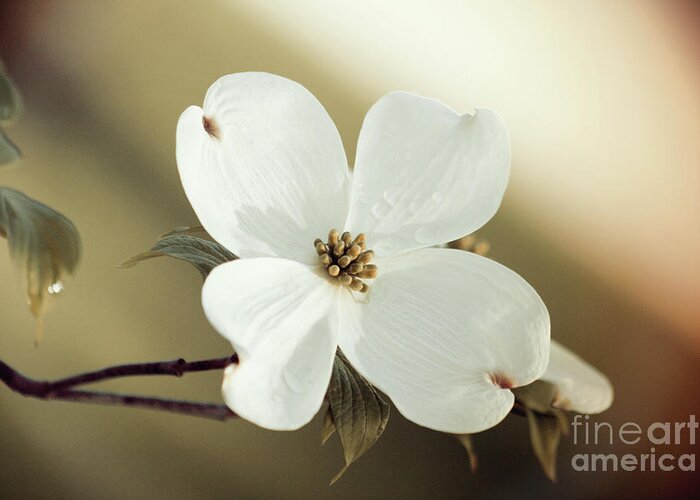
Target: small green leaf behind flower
(44,245)
(547,423)
(545,434)
(356,411)
(9,153)
(191,245)
(468,444)
(10,109)
(10,101)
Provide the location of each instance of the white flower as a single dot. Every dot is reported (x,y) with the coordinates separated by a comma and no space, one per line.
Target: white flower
(580,387)
(444,333)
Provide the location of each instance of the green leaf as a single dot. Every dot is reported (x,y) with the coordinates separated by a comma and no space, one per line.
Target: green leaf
(547,423)
(328,427)
(191,245)
(355,410)
(9,153)
(545,434)
(43,244)
(10,101)
(197,231)
(468,443)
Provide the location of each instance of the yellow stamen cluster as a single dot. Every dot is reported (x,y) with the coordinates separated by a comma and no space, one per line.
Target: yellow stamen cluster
(346,259)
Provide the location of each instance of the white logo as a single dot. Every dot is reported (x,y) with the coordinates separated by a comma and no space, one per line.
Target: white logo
(631,433)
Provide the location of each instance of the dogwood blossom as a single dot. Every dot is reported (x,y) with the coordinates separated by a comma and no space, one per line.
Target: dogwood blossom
(444,333)
(580,387)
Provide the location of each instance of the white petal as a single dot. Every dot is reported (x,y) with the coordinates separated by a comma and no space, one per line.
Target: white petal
(581,388)
(275,312)
(273,175)
(440,330)
(425,175)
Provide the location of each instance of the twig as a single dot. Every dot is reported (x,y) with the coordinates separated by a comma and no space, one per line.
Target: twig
(175,368)
(195,409)
(62,389)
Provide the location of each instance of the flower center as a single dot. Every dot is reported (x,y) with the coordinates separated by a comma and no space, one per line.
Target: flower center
(346,259)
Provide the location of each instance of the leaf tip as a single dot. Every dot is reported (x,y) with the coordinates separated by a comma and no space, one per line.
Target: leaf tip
(468,444)
(340,474)
(39,332)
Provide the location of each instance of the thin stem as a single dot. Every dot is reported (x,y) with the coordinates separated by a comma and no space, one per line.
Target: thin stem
(518,409)
(205,410)
(175,368)
(62,389)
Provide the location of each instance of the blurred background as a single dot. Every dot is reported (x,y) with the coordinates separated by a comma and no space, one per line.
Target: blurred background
(602,217)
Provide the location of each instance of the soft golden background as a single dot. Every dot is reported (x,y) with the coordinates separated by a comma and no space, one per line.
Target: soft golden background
(602,216)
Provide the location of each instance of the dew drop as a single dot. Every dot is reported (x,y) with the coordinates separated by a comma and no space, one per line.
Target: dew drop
(425,235)
(438,196)
(380,210)
(392,196)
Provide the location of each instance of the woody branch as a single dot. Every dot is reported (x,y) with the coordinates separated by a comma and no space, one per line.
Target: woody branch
(64,389)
